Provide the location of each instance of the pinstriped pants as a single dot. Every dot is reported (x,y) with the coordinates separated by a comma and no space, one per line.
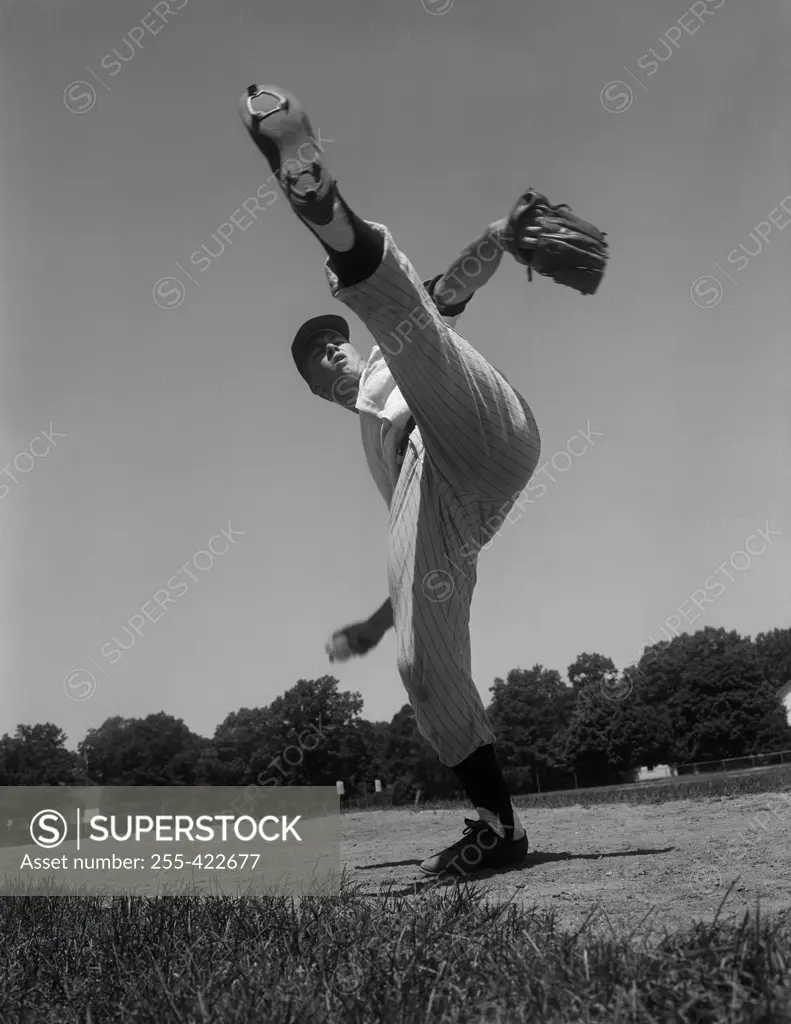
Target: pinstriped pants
(473,451)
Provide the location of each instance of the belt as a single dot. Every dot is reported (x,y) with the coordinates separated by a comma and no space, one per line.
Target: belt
(402,444)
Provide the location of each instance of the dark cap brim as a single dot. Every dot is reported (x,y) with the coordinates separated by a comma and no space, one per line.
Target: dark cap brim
(328,322)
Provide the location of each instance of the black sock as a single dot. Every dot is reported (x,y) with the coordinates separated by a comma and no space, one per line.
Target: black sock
(482,778)
(364,257)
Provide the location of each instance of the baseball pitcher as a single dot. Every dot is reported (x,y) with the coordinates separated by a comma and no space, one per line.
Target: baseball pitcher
(449,442)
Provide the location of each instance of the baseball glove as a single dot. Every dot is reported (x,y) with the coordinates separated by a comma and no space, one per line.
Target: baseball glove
(554,242)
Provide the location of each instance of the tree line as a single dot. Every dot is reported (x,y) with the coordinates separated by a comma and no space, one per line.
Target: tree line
(698,697)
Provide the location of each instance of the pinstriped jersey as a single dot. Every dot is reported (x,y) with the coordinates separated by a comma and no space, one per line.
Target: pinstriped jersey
(383,416)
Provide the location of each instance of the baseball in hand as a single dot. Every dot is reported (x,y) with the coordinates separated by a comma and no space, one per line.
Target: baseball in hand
(338,648)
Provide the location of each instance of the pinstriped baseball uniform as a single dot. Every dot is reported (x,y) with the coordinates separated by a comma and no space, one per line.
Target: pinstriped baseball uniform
(474,449)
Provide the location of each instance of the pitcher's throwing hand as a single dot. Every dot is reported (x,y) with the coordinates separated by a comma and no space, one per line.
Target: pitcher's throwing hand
(352,640)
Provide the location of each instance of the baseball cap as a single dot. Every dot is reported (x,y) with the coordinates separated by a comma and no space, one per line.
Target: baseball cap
(328,322)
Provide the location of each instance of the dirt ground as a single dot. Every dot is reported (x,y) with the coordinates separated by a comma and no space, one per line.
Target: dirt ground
(663,865)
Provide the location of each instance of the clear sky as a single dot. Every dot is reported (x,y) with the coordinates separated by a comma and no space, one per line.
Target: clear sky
(179,421)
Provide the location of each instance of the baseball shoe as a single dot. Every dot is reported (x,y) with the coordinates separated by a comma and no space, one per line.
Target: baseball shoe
(278,125)
(479,849)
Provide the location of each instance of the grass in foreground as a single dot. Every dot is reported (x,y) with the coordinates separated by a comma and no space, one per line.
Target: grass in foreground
(446,957)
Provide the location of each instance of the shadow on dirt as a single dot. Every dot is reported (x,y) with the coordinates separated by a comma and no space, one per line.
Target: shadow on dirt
(550,858)
(533,860)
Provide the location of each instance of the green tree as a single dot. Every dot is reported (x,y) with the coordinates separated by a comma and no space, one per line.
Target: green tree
(309,736)
(158,750)
(718,700)
(529,712)
(36,755)
(613,731)
(238,737)
(211,770)
(373,736)
(774,654)
(590,670)
(411,764)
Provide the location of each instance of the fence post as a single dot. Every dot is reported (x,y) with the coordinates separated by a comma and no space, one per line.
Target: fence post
(417,797)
